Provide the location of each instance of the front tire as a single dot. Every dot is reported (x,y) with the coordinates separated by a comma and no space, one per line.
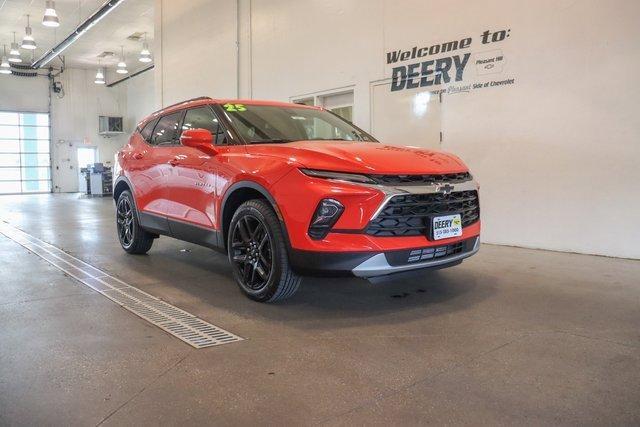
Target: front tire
(258,254)
(133,238)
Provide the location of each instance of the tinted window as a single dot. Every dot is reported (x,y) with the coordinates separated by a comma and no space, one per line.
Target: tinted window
(273,124)
(146,131)
(203,118)
(166,131)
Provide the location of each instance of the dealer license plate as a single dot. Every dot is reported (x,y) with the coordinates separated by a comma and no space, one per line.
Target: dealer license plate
(446,226)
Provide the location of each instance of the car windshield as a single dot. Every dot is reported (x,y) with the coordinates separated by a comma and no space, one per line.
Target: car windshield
(262,124)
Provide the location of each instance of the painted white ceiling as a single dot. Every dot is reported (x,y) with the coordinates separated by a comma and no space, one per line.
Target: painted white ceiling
(108,35)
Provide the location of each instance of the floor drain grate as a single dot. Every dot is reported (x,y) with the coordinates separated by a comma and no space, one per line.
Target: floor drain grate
(185,326)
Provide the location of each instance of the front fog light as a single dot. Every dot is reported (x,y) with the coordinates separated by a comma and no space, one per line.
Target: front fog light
(325,216)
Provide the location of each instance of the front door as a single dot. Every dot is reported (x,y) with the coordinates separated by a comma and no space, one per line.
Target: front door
(192,207)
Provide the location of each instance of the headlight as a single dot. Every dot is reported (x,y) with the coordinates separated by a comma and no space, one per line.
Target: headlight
(325,216)
(342,176)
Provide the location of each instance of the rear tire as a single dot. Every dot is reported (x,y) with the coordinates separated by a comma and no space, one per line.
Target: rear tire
(133,238)
(258,253)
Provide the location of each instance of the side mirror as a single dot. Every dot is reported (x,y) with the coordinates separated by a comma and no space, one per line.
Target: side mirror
(200,139)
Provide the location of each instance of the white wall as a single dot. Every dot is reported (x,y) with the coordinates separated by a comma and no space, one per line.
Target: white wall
(74,123)
(555,152)
(24,93)
(140,99)
(199,38)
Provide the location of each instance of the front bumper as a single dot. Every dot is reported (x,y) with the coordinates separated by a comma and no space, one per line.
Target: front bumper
(373,264)
(298,196)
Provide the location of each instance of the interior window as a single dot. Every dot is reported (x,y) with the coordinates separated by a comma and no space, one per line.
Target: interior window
(204,118)
(166,131)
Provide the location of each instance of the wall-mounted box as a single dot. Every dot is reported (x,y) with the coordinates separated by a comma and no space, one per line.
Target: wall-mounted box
(110,125)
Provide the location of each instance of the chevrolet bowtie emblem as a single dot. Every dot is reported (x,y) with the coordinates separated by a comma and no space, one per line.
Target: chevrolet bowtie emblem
(445,189)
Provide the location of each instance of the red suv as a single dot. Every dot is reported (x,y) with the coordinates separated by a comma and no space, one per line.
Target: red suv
(289,190)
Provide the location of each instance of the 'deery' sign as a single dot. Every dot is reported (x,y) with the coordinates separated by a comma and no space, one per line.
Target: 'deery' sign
(436,71)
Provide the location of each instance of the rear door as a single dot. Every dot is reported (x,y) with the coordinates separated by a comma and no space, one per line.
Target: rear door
(152,165)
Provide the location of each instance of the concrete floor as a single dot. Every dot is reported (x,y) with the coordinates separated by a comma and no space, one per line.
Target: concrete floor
(511,336)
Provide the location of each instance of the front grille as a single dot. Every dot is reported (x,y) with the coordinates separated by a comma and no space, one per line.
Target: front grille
(409,215)
(448,178)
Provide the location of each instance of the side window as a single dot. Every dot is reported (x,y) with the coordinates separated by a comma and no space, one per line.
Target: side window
(166,131)
(204,118)
(147,129)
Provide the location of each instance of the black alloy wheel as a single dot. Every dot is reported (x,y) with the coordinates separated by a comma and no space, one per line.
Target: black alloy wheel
(124,221)
(133,238)
(258,253)
(252,252)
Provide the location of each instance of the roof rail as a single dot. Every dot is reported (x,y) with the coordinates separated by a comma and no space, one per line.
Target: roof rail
(182,102)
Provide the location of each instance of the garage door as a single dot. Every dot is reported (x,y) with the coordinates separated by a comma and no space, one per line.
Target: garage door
(25,163)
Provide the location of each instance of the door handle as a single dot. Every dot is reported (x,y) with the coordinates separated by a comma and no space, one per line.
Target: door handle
(174,162)
(138,156)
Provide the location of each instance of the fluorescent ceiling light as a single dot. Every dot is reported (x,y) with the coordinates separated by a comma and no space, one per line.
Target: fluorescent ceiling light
(14,46)
(50,18)
(99,76)
(5,67)
(14,53)
(28,42)
(122,66)
(145,49)
(145,54)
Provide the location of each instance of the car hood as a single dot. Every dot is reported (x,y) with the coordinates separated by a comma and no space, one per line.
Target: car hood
(362,157)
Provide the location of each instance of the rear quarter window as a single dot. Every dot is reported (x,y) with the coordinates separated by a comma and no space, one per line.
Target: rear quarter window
(147,129)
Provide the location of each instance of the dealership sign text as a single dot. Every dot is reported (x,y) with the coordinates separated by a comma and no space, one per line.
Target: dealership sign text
(427,71)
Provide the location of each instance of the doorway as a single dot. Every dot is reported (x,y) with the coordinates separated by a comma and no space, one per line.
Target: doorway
(340,104)
(86,156)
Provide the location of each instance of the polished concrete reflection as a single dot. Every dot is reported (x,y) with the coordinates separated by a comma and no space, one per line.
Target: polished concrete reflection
(510,336)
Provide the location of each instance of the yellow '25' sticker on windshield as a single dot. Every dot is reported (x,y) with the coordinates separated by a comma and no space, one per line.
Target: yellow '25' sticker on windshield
(235,107)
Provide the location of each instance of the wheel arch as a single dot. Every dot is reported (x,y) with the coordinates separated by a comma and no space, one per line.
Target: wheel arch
(121,184)
(239,193)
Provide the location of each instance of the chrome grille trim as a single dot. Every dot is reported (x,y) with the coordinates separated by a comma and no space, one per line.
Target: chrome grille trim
(420,179)
(391,192)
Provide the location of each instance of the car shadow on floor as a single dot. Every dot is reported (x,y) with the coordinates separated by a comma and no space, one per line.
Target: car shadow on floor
(321,303)
(352,302)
